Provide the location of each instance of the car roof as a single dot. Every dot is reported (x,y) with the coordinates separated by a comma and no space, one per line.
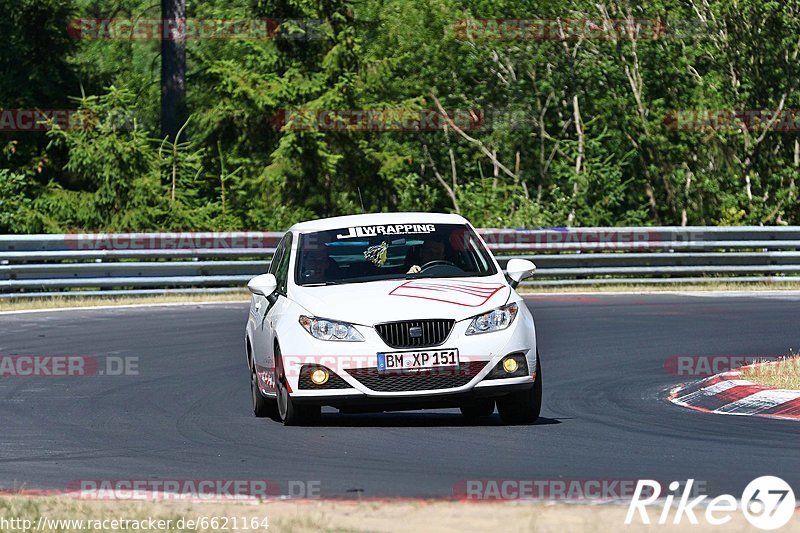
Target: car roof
(373,219)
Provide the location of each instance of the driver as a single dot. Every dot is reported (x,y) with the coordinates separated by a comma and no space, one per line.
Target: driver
(315,266)
(431,251)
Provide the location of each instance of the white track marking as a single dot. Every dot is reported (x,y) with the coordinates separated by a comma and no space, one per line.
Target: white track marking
(759,401)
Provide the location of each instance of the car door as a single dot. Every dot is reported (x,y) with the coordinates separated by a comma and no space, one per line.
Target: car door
(263,308)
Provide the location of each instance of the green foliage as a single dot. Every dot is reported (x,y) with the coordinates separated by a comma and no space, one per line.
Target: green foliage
(576,132)
(15,202)
(120,178)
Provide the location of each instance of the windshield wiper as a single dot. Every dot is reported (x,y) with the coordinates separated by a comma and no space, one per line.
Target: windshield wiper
(421,275)
(324,283)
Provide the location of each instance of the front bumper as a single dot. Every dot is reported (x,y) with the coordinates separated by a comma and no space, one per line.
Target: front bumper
(357,402)
(360,383)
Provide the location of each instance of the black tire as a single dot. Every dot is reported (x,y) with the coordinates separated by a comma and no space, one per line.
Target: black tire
(523,407)
(262,406)
(475,410)
(290,413)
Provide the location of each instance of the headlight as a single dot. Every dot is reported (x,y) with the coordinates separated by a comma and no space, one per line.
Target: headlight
(494,320)
(330,330)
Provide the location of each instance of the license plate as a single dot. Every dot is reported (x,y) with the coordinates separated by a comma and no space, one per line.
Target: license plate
(417,360)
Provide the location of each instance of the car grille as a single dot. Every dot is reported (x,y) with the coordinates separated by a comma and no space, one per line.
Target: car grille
(428,333)
(431,379)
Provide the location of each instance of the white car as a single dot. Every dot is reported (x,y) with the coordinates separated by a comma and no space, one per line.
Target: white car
(391,311)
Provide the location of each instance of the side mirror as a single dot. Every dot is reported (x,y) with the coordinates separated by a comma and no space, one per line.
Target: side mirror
(264,285)
(519,269)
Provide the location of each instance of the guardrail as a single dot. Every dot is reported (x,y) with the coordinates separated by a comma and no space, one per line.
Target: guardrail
(149,263)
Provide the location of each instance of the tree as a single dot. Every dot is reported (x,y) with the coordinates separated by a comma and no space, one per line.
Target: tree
(173,67)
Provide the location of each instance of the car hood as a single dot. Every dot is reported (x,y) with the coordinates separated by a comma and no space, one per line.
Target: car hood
(386,301)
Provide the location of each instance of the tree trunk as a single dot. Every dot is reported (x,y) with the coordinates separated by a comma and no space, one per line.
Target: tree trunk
(173,67)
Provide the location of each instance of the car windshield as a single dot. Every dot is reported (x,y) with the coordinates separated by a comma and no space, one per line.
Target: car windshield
(393,251)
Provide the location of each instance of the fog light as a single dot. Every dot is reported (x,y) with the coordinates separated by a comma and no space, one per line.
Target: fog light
(510,365)
(320,376)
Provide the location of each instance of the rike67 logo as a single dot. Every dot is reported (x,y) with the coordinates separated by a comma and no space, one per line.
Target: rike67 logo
(767,502)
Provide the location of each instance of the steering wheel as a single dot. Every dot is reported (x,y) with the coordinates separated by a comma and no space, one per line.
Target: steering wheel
(437,262)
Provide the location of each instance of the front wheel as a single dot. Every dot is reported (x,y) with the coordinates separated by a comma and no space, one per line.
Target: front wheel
(262,406)
(289,412)
(523,407)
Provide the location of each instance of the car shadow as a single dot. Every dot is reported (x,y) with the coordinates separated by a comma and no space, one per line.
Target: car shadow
(416,419)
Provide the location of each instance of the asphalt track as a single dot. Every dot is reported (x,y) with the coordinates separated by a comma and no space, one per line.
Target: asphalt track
(187,414)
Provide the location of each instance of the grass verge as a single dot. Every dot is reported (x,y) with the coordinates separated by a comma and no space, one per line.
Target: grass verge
(79,301)
(781,374)
(344,516)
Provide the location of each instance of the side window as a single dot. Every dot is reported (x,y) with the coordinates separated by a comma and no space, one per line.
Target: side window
(282,270)
(276,257)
